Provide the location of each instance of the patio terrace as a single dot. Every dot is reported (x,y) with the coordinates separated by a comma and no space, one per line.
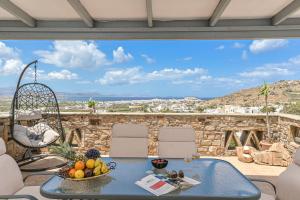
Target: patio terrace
(94,130)
(212,130)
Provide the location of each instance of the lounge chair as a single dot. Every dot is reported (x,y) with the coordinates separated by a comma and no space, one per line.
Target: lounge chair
(288,184)
(176,142)
(129,140)
(12,183)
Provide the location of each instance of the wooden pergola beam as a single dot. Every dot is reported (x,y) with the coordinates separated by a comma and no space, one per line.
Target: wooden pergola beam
(149,13)
(82,12)
(17,12)
(218,12)
(283,14)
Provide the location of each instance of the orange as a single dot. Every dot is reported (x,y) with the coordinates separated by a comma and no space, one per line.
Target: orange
(72,172)
(79,174)
(79,165)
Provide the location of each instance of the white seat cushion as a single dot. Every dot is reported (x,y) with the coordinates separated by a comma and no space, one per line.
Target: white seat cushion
(266,197)
(39,128)
(35,136)
(129,147)
(2,147)
(176,149)
(11,178)
(297,157)
(288,184)
(31,190)
(50,136)
(21,134)
(129,131)
(176,134)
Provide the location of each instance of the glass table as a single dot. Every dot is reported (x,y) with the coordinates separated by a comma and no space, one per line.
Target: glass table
(219,180)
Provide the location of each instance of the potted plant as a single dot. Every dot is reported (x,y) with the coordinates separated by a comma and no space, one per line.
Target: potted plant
(92,104)
(265,91)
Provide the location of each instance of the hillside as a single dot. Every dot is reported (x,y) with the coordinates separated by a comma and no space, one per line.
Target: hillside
(281,92)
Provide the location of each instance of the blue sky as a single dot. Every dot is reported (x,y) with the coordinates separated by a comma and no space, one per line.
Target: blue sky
(153,67)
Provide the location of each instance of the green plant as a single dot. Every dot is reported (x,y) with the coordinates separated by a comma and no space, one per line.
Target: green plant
(270,109)
(92,104)
(64,150)
(200,109)
(265,91)
(232,145)
(292,108)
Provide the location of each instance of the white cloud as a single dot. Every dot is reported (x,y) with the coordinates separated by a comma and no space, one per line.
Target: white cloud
(84,82)
(11,66)
(258,46)
(62,75)
(197,80)
(72,54)
(208,80)
(120,56)
(10,61)
(227,80)
(174,73)
(274,70)
(188,58)
(263,72)
(294,60)
(238,45)
(136,75)
(148,59)
(122,76)
(221,47)
(244,55)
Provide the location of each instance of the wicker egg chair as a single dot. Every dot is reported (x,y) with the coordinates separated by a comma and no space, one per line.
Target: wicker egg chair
(35,118)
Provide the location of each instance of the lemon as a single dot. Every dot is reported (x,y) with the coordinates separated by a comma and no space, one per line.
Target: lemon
(90,163)
(79,174)
(98,162)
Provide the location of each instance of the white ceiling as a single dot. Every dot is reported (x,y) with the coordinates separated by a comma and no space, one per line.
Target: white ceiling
(136,9)
(179,9)
(5,15)
(48,9)
(253,9)
(116,9)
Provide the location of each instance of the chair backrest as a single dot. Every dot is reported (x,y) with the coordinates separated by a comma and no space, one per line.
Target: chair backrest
(288,184)
(129,140)
(176,142)
(297,157)
(10,174)
(36,103)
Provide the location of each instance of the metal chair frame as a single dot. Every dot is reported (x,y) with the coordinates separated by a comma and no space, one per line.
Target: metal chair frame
(34,95)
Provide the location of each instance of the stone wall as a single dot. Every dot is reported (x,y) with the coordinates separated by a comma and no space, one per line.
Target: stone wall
(286,124)
(94,130)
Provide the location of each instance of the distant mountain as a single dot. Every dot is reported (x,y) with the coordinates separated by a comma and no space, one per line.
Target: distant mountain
(7,91)
(281,92)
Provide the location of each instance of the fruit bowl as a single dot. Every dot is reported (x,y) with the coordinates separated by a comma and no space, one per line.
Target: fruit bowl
(89,166)
(159,163)
(88,178)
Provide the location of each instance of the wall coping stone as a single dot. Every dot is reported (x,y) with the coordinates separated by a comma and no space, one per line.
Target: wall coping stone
(4,115)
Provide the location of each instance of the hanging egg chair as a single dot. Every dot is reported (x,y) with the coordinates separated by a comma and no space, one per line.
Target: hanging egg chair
(35,117)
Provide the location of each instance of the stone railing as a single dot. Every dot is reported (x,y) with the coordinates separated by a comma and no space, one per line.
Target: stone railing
(213,131)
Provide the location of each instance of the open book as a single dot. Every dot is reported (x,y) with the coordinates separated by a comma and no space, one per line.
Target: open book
(159,185)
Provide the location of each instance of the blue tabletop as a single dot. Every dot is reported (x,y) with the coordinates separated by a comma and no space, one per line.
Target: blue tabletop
(219,180)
